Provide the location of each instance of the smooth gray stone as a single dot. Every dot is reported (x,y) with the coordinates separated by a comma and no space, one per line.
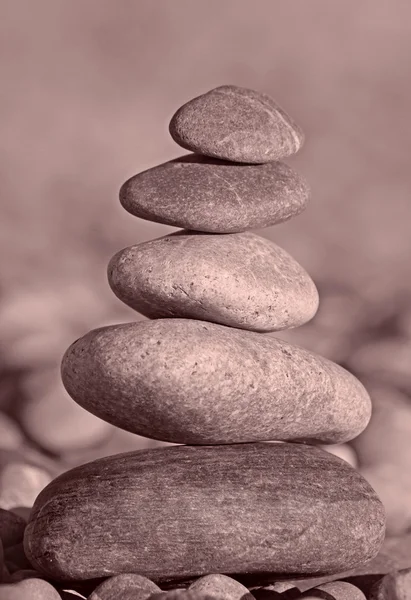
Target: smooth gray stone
(241,280)
(192,382)
(236,124)
(180,512)
(205,194)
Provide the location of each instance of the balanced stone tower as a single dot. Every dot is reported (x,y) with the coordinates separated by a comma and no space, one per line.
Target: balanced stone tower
(202,373)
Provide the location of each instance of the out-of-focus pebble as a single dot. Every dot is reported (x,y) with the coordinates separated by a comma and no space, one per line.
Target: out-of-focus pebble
(344,451)
(386,359)
(17,556)
(20,484)
(53,420)
(117,586)
(335,590)
(222,587)
(11,528)
(393,486)
(25,574)
(29,589)
(394,586)
(387,437)
(11,437)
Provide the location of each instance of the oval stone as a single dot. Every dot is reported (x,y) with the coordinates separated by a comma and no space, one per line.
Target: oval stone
(182,512)
(236,124)
(191,382)
(241,280)
(205,194)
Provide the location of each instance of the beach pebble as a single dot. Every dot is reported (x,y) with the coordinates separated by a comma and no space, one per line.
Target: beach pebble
(221,586)
(11,436)
(20,484)
(11,528)
(394,586)
(192,382)
(186,511)
(241,280)
(29,589)
(51,418)
(115,587)
(204,194)
(182,594)
(335,590)
(236,124)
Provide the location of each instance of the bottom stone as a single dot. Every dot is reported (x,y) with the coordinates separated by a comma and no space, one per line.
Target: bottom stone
(176,513)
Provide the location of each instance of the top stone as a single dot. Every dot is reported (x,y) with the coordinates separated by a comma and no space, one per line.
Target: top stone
(236,124)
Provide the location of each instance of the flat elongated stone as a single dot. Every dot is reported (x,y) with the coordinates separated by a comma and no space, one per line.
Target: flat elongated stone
(236,124)
(191,382)
(242,280)
(204,194)
(180,512)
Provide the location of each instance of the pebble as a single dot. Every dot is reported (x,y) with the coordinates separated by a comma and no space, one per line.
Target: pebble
(20,484)
(335,590)
(387,438)
(11,528)
(241,280)
(236,124)
(29,589)
(181,594)
(221,586)
(394,586)
(22,574)
(52,420)
(203,194)
(115,587)
(11,437)
(192,382)
(181,512)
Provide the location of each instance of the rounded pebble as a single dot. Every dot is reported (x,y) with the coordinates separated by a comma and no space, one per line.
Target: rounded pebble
(334,590)
(203,194)
(52,420)
(394,586)
(221,586)
(25,574)
(236,124)
(30,589)
(186,511)
(192,382)
(11,528)
(241,280)
(20,484)
(115,587)
(11,437)
(182,594)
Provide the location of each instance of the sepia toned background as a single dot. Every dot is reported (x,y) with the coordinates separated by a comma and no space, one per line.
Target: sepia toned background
(87,90)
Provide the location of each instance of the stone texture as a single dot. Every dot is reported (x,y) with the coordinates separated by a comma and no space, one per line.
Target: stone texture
(241,280)
(186,381)
(115,587)
(221,586)
(177,513)
(205,194)
(394,586)
(181,594)
(30,589)
(236,124)
(11,528)
(335,590)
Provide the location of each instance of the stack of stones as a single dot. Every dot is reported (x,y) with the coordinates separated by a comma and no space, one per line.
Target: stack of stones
(202,373)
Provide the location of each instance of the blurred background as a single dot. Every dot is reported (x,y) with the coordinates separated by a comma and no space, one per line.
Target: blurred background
(87,92)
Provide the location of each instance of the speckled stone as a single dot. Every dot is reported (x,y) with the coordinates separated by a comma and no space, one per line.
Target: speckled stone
(394,586)
(191,382)
(181,512)
(241,280)
(236,124)
(221,586)
(204,194)
(116,587)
